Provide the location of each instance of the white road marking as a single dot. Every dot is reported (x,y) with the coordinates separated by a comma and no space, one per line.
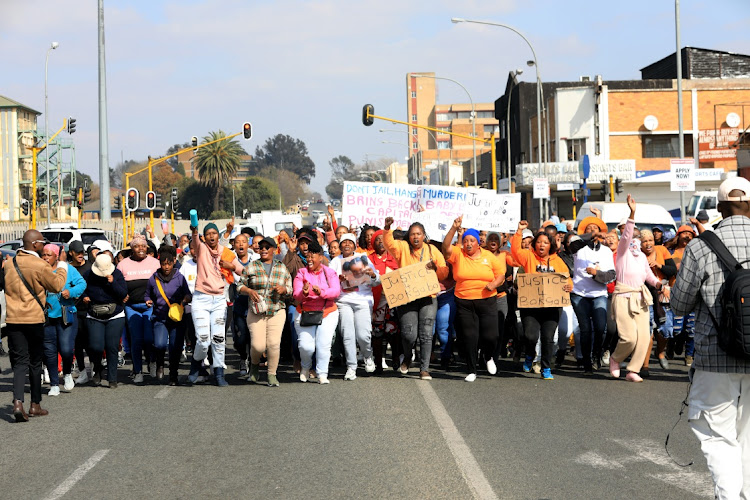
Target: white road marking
(164,392)
(468,465)
(77,475)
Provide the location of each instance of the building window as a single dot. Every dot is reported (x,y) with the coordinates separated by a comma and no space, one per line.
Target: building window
(485,114)
(413,118)
(576,149)
(413,131)
(415,145)
(463,115)
(666,146)
(442,117)
(444,144)
(413,94)
(491,129)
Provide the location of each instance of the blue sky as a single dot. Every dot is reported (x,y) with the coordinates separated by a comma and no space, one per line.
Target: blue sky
(305,68)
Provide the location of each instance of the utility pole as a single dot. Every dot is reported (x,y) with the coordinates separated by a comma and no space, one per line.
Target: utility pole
(681,133)
(104,207)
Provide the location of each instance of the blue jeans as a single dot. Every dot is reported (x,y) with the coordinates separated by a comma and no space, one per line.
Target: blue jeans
(417,320)
(241,333)
(141,333)
(444,320)
(590,310)
(209,318)
(62,339)
(167,334)
(290,311)
(105,335)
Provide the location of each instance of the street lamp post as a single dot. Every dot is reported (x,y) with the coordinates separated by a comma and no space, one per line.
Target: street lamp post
(538,92)
(53,46)
(507,125)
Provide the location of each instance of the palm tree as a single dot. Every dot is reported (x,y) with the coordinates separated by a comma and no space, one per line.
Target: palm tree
(217,164)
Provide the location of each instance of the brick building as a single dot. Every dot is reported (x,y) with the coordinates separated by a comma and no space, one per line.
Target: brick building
(17,136)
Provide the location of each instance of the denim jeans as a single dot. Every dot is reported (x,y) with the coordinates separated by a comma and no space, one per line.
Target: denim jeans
(290,312)
(444,320)
(209,317)
(62,339)
(316,340)
(167,334)
(82,342)
(105,335)
(355,320)
(590,310)
(417,318)
(141,333)
(241,334)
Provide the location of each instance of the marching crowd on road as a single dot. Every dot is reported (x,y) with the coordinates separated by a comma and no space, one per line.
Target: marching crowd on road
(315,297)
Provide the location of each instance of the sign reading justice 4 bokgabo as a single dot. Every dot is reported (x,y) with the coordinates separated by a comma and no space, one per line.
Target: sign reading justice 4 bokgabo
(409,283)
(542,290)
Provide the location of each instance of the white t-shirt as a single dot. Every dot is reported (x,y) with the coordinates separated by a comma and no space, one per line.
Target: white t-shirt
(583,283)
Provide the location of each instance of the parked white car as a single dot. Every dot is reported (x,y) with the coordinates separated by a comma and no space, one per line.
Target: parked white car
(647,215)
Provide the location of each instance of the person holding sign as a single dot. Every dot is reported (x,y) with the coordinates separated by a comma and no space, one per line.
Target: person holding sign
(478,273)
(540,257)
(418,316)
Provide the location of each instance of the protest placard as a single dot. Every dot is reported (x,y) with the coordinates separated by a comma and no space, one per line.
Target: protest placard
(371,202)
(542,290)
(489,211)
(409,283)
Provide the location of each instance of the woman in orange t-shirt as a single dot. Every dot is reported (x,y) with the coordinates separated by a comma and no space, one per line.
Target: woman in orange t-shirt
(540,257)
(478,273)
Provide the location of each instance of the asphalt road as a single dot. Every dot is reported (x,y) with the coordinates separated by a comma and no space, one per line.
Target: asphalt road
(508,436)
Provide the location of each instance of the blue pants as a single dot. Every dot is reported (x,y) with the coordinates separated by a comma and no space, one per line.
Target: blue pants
(105,335)
(592,321)
(141,333)
(167,334)
(241,334)
(62,339)
(444,320)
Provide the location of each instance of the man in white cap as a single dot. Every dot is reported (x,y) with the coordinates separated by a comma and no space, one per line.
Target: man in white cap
(720,383)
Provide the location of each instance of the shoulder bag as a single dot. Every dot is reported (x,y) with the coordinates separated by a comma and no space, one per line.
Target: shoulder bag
(31,291)
(313,318)
(175,310)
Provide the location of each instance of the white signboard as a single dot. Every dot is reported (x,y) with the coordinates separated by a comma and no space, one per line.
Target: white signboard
(541,188)
(682,174)
(567,187)
(492,212)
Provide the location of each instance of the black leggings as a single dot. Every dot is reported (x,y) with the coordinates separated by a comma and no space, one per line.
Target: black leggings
(477,319)
(540,321)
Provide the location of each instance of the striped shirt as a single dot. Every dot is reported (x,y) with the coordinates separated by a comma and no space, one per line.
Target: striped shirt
(699,286)
(254,276)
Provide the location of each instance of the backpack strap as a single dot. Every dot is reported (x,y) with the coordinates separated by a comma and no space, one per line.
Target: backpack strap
(721,251)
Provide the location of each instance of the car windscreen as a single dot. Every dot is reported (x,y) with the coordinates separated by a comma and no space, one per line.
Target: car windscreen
(89,238)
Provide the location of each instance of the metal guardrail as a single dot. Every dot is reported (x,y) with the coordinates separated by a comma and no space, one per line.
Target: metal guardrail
(112,229)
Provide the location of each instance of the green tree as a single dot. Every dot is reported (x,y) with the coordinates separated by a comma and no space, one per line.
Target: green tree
(254,194)
(217,163)
(286,153)
(291,186)
(342,169)
(193,194)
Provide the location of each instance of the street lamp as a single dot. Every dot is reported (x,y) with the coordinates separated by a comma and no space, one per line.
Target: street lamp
(473,118)
(456,20)
(514,74)
(53,46)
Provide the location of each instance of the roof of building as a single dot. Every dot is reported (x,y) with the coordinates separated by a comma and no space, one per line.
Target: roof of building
(6,102)
(700,63)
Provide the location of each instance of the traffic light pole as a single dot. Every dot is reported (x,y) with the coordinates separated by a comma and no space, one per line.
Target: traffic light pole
(124,222)
(34,154)
(80,205)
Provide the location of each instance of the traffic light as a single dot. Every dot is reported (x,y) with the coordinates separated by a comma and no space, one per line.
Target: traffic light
(158,199)
(194,143)
(605,190)
(367,111)
(247,130)
(132,200)
(618,186)
(79,198)
(118,203)
(41,196)
(86,192)
(71,125)
(175,202)
(150,200)
(25,206)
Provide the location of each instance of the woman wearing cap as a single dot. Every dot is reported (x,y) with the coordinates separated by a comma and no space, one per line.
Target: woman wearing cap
(209,305)
(316,288)
(355,303)
(137,269)
(60,331)
(417,317)
(266,282)
(105,291)
(539,322)
(630,302)
(478,273)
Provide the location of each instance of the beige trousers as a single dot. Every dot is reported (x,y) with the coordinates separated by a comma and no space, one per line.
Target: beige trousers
(265,335)
(633,330)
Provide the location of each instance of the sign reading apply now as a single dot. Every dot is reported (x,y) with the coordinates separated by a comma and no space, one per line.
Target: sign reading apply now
(683,174)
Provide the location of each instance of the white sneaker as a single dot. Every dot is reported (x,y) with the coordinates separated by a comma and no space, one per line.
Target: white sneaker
(471,377)
(605,358)
(69,384)
(152,369)
(304,374)
(369,365)
(323,379)
(54,391)
(45,376)
(243,368)
(104,362)
(205,361)
(384,364)
(350,374)
(138,378)
(83,378)
(491,367)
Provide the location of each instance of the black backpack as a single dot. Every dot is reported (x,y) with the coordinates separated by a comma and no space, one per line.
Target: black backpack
(734,330)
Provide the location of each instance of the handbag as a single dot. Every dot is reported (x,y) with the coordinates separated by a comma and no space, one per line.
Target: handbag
(102,311)
(68,316)
(175,310)
(313,318)
(31,291)
(260,307)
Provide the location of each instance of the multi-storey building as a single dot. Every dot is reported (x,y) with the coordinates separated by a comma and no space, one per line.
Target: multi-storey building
(17,131)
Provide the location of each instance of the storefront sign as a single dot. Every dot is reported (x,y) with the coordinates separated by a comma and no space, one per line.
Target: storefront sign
(714,144)
(568,171)
(683,174)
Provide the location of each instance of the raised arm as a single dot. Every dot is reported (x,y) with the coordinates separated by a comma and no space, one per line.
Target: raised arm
(447,247)
(627,232)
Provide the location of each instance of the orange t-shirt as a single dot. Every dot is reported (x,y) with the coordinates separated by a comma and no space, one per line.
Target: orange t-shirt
(472,275)
(532,263)
(660,256)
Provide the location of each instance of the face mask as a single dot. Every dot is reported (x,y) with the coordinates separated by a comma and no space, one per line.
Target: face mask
(635,247)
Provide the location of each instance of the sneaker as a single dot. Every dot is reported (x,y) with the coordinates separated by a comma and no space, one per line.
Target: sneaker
(45,376)
(254,377)
(138,378)
(313,375)
(83,378)
(304,375)
(54,391)
(243,368)
(403,369)
(664,363)
(644,373)
(688,361)
(491,367)
(350,374)
(104,362)
(120,359)
(369,365)
(471,377)
(323,379)
(384,364)
(633,377)
(68,382)
(152,369)
(547,374)
(536,367)
(605,358)
(105,383)
(425,375)
(528,364)
(96,378)
(273,381)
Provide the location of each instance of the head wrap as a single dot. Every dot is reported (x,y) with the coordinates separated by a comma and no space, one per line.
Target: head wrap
(51,247)
(377,233)
(138,239)
(470,232)
(209,226)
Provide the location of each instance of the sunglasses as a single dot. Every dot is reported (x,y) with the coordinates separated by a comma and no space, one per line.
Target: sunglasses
(43,242)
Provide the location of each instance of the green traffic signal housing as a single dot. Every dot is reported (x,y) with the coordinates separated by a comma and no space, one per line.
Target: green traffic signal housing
(368,111)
